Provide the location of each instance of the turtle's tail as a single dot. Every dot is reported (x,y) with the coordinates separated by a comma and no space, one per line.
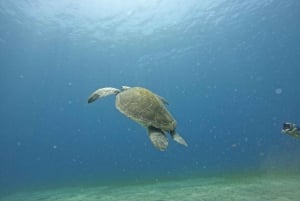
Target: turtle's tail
(102,92)
(176,137)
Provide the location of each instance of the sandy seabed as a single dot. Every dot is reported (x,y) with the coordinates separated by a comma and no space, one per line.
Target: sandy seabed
(262,187)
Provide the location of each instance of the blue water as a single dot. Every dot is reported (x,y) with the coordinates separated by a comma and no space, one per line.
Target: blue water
(229,69)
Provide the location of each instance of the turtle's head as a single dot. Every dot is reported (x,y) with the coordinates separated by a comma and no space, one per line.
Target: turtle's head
(291,129)
(286,126)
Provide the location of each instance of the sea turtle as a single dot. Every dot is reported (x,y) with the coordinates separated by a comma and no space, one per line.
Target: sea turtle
(146,108)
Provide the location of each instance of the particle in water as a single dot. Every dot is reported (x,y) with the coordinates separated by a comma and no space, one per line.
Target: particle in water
(278,91)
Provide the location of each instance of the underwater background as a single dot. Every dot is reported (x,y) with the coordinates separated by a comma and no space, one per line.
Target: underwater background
(229,69)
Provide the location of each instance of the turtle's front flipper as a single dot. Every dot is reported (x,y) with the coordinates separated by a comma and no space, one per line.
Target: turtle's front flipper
(158,138)
(102,92)
(176,137)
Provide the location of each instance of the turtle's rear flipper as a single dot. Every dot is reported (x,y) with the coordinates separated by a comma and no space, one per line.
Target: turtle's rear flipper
(99,93)
(176,137)
(158,138)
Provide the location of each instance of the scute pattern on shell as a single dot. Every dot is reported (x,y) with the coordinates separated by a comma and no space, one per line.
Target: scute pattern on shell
(146,108)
